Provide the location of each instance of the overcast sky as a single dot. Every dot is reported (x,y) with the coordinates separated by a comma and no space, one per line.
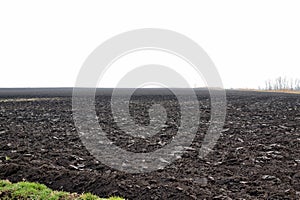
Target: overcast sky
(44,43)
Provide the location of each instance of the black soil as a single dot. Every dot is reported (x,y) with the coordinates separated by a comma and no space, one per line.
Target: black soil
(256,157)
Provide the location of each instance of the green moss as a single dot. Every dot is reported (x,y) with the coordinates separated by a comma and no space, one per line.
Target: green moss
(36,191)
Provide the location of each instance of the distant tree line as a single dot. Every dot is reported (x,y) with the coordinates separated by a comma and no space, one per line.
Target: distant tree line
(283,83)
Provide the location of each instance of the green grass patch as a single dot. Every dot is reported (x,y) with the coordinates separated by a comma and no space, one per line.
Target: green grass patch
(36,191)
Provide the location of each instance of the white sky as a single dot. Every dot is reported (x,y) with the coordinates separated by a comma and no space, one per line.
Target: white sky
(44,43)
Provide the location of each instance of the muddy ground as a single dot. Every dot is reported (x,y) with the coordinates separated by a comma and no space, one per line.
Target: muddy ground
(256,157)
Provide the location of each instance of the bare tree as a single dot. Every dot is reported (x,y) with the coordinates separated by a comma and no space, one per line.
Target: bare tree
(292,84)
(282,83)
(297,84)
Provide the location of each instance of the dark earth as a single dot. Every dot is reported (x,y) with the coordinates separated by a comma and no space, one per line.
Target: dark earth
(256,157)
